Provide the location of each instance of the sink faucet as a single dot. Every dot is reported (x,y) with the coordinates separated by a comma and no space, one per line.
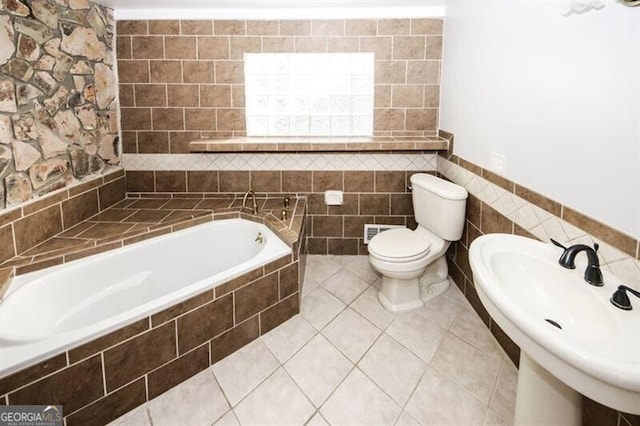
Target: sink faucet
(592,274)
(254,206)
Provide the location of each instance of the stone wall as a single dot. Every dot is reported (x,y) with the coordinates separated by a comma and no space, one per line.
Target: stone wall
(58,105)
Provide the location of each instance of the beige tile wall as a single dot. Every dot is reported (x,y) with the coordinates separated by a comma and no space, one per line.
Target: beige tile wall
(619,253)
(182,80)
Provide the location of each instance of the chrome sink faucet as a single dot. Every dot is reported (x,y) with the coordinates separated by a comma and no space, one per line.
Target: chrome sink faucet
(592,274)
(254,206)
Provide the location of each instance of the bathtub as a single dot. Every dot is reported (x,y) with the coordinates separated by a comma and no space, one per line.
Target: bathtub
(49,311)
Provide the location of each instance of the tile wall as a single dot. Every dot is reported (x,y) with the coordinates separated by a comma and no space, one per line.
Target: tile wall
(497,204)
(374,185)
(183,80)
(35,222)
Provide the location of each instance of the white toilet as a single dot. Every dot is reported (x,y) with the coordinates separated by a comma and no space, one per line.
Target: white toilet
(412,263)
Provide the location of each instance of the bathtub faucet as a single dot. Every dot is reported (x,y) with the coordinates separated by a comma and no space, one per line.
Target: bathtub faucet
(254,206)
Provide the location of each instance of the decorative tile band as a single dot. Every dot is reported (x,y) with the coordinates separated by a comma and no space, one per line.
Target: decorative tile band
(259,162)
(539,222)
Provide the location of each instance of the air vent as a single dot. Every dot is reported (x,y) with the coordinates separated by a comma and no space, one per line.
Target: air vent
(371,230)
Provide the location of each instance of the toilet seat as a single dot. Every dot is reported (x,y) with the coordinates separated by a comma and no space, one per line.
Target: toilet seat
(399,246)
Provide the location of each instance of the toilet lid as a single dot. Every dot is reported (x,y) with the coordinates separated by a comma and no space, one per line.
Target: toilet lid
(398,244)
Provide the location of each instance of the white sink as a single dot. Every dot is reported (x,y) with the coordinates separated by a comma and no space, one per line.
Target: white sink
(596,352)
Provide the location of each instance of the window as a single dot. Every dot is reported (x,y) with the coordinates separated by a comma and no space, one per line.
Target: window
(309,94)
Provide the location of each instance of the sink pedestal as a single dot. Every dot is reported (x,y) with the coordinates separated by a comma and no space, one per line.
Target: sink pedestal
(542,399)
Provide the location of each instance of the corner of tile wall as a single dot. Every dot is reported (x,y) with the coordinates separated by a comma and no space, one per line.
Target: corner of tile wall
(496,204)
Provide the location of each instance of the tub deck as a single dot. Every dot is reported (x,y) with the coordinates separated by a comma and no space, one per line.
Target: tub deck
(111,374)
(136,219)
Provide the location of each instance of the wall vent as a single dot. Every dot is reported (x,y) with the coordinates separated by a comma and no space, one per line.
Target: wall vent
(371,230)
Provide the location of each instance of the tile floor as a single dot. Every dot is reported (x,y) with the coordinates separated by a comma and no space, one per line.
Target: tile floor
(345,360)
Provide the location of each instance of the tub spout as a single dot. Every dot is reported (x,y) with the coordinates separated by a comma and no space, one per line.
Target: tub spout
(254,206)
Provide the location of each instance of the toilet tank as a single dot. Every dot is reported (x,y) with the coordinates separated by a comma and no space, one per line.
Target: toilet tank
(439,205)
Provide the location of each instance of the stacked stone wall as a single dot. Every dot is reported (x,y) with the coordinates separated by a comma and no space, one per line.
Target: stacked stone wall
(58,104)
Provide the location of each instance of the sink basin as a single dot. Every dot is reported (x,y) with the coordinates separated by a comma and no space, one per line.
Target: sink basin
(561,323)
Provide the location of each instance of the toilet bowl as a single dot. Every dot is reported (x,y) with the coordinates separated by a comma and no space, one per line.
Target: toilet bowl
(412,262)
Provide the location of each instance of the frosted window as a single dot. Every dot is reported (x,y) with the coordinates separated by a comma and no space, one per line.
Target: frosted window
(309,94)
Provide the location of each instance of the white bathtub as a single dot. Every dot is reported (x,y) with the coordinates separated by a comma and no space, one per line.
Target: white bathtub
(52,310)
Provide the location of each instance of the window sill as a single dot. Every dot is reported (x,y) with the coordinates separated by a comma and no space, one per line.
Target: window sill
(319,144)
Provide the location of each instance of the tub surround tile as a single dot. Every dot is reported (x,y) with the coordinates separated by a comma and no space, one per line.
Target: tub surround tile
(256,296)
(135,354)
(177,371)
(33,373)
(111,406)
(230,341)
(108,340)
(204,323)
(276,314)
(288,280)
(140,355)
(181,308)
(145,218)
(47,221)
(74,387)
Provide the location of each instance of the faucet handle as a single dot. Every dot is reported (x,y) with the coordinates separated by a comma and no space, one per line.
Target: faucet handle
(285,202)
(557,244)
(620,298)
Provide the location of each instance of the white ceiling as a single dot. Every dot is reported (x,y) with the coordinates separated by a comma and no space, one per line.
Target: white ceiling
(272,9)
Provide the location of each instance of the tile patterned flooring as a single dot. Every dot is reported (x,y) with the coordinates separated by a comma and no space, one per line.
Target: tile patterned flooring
(345,360)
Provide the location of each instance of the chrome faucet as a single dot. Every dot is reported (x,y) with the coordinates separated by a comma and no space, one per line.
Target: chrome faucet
(592,274)
(254,206)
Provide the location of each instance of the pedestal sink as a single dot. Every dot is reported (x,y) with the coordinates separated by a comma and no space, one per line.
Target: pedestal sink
(572,339)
